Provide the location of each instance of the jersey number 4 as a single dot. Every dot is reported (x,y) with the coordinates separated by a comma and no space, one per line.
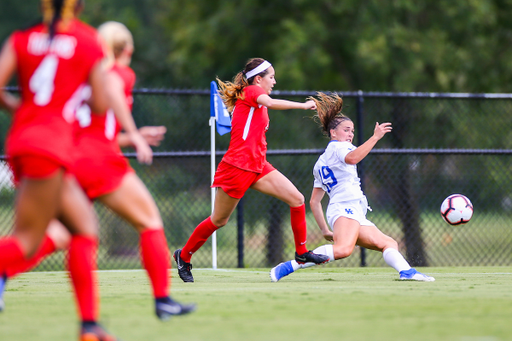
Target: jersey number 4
(42,81)
(328,178)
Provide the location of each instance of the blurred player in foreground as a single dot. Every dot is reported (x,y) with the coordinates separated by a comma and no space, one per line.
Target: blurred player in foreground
(245,165)
(335,172)
(105,174)
(54,60)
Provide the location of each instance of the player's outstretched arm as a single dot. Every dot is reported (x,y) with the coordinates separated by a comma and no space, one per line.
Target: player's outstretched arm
(153,135)
(282,104)
(315,203)
(355,156)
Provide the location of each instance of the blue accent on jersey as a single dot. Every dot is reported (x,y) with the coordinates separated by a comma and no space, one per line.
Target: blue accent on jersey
(328,178)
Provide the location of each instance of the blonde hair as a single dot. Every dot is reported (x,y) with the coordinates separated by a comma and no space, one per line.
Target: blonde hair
(116,37)
(230,92)
(329,114)
(53,10)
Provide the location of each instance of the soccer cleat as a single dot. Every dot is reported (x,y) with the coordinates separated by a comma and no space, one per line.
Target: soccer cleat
(281,270)
(184,268)
(413,275)
(310,257)
(167,307)
(92,331)
(3,282)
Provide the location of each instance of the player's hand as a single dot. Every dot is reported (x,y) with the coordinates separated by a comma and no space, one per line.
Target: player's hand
(144,152)
(329,236)
(381,129)
(153,134)
(310,105)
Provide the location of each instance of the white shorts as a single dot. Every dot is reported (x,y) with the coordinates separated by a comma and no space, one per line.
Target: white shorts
(355,209)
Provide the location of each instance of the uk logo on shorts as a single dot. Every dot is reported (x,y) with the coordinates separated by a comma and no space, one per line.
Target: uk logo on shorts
(349,211)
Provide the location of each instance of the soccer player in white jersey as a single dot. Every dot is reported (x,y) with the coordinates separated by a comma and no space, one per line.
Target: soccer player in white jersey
(335,173)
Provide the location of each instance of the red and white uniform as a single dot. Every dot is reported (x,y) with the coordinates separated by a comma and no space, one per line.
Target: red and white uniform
(248,145)
(100,165)
(245,161)
(51,78)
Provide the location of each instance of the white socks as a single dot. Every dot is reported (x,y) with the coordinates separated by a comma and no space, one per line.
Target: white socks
(391,256)
(395,259)
(321,250)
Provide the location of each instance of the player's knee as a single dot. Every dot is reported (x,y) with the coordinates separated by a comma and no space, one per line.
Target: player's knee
(59,235)
(219,222)
(153,223)
(386,243)
(28,244)
(61,240)
(297,199)
(342,251)
(392,244)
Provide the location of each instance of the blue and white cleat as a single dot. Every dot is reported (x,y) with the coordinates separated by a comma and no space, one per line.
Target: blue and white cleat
(413,275)
(3,281)
(281,270)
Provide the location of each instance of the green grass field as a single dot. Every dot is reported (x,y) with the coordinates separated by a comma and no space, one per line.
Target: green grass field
(466,304)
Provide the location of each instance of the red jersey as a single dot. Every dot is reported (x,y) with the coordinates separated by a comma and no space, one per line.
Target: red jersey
(105,127)
(52,78)
(100,165)
(248,145)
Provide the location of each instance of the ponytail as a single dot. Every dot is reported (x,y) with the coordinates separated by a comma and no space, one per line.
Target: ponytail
(328,110)
(230,92)
(53,10)
(48,11)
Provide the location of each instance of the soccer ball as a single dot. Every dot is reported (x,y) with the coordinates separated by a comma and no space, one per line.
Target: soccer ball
(456,209)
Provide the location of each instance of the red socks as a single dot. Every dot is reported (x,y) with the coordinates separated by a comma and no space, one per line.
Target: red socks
(206,228)
(155,258)
(10,253)
(81,265)
(300,231)
(47,247)
(200,235)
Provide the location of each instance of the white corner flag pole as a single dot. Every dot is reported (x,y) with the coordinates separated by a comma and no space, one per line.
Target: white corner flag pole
(218,114)
(212,164)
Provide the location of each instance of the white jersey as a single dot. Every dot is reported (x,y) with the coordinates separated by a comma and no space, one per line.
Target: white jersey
(336,177)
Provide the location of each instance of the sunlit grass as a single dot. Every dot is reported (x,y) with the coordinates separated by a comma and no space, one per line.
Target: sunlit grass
(314,304)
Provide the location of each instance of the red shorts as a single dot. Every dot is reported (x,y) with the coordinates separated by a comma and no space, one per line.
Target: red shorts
(235,181)
(33,167)
(100,176)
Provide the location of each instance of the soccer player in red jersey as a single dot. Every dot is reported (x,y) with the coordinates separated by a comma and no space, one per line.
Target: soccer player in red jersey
(245,165)
(105,174)
(54,61)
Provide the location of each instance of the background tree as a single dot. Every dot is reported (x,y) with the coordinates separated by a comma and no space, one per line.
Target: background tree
(332,45)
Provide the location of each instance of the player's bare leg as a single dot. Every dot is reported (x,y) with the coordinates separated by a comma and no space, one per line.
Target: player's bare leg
(133,202)
(223,208)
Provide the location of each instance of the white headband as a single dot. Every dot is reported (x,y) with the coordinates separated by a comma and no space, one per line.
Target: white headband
(258,69)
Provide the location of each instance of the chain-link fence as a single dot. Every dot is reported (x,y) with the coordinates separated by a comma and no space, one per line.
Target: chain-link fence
(441,144)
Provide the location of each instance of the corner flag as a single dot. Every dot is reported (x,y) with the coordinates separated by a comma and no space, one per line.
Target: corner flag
(219,111)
